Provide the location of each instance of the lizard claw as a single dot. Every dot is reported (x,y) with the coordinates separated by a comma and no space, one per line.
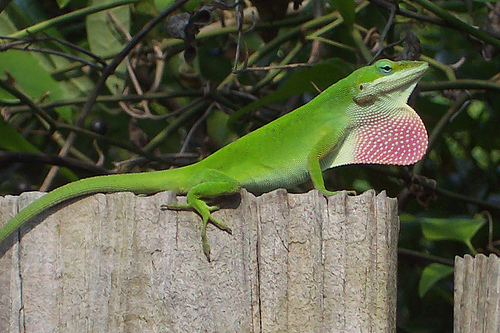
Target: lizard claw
(213,208)
(176,206)
(205,246)
(221,225)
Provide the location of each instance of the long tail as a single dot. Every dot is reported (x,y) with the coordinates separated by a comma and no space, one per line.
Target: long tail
(146,182)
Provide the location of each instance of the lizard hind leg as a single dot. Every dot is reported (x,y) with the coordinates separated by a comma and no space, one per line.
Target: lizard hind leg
(207,190)
(210,183)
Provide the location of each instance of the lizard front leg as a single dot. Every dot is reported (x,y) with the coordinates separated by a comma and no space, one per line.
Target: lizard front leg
(319,151)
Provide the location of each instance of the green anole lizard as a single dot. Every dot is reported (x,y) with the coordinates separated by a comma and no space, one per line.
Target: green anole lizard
(363,118)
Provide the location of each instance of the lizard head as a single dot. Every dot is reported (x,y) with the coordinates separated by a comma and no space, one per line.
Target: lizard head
(384,129)
(387,83)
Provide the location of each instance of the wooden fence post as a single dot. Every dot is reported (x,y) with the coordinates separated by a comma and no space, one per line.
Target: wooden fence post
(116,262)
(477,294)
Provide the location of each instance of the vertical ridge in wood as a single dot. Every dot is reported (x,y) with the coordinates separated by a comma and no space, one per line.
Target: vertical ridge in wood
(477,294)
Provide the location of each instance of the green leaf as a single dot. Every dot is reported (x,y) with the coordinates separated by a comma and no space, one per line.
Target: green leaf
(431,275)
(190,6)
(346,9)
(462,230)
(11,140)
(218,130)
(63,3)
(322,74)
(72,85)
(105,38)
(161,5)
(39,81)
(36,84)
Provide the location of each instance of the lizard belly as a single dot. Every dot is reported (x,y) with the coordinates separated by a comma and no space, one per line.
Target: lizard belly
(266,180)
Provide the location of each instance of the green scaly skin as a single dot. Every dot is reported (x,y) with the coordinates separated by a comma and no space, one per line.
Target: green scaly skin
(340,126)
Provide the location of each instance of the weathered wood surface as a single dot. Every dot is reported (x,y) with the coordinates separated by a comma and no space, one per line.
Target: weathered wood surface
(117,263)
(477,294)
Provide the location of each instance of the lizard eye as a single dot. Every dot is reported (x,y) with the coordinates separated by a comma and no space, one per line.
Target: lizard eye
(386,69)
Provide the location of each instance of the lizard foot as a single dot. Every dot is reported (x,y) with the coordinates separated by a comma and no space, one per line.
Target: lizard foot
(204,240)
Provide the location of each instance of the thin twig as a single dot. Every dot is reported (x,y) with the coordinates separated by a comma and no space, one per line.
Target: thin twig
(31,39)
(8,86)
(425,256)
(188,111)
(390,22)
(16,107)
(491,244)
(131,65)
(59,54)
(195,127)
(332,42)
(268,68)
(76,47)
(317,45)
(239,22)
(460,84)
(169,160)
(69,17)
(8,157)
(159,69)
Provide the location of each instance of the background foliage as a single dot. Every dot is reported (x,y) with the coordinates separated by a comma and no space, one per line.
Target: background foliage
(98,86)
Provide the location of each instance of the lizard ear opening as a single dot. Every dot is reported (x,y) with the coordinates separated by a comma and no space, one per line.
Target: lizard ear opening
(396,139)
